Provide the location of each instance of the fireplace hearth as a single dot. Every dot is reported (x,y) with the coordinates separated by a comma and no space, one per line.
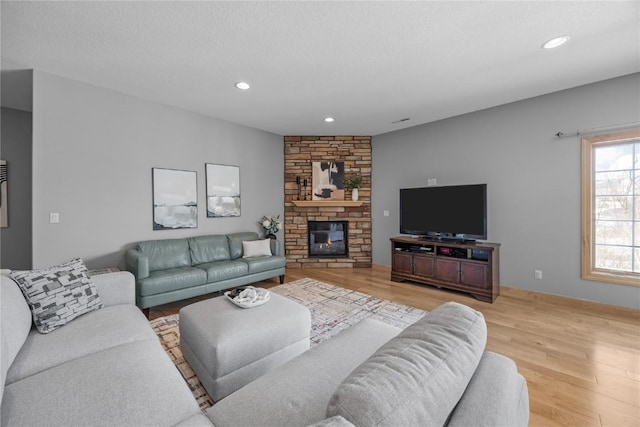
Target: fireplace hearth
(328,239)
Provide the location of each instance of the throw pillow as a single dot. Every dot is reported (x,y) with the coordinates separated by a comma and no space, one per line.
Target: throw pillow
(254,248)
(58,294)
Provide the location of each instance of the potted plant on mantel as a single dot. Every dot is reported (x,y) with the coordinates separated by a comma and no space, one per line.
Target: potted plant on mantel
(353,182)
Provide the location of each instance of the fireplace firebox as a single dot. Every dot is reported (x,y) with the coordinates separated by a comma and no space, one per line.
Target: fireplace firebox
(328,239)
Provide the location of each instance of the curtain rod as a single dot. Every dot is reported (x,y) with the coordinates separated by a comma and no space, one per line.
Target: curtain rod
(598,129)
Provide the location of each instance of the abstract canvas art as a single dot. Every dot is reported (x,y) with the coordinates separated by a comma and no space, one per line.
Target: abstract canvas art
(175,199)
(327,179)
(223,190)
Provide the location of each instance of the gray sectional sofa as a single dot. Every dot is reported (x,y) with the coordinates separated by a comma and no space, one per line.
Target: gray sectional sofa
(435,372)
(104,368)
(175,269)
(107,367)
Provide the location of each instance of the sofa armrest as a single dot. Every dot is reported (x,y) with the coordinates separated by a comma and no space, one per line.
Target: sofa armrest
(137,263)
(497,395)
(116,288)
(275,247)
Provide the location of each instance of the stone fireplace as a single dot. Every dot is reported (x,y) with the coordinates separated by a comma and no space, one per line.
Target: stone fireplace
(328,239)
(299,154)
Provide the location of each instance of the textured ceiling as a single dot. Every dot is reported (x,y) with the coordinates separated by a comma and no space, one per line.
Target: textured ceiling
(367,64)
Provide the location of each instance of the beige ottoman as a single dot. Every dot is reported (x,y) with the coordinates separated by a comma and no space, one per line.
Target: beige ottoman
(227,346)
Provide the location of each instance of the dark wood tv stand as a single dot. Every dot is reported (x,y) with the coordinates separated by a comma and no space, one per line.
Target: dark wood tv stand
(468,267)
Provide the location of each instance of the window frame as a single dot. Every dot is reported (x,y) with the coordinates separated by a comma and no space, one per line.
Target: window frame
(589,271)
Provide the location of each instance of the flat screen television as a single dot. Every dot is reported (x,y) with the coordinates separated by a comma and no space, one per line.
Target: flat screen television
(457,212)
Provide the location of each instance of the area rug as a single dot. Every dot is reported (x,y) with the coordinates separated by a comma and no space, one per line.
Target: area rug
(332,308)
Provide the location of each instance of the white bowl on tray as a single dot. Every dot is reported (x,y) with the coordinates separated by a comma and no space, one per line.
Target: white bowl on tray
(248,296)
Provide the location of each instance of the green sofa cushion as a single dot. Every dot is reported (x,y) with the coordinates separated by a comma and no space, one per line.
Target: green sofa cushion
(172,279)
(235,242)
(223,270)
(417,377)
(208,249)
(168,253)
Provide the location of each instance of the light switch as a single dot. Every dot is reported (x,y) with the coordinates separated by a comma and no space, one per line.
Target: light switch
(385,213)
(54,217)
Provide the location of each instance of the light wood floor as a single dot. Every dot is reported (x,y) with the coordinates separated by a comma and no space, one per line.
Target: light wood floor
(581,359)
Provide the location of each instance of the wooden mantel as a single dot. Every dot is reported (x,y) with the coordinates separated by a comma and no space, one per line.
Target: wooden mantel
(326,203)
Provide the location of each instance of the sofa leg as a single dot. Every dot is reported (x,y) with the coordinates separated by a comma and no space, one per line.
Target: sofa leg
(145,311)
(282,279)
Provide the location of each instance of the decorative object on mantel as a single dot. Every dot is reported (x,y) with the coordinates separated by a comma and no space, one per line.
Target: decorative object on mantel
(4,211)
(223,190)
(175,199)
(305,190)
(301,183)
(327,180)
(353,182)
(271,225)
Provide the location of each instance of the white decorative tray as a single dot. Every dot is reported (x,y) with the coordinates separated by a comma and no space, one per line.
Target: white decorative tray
(248,297)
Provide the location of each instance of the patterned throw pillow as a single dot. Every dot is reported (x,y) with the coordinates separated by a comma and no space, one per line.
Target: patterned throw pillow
(58,294)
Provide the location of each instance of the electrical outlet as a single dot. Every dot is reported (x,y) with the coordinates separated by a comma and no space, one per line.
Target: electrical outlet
(385,213)
(431,181)
(537,274)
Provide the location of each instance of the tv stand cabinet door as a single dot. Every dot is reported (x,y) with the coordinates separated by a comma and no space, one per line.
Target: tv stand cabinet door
(448,270)
(475,275)
(424,266)
(403,263)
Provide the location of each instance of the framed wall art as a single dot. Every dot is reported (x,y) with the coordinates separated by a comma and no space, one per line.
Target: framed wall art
(175,199)
(223,190)
(327,180)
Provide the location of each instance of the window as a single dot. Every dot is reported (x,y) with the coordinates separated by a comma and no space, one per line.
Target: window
(611,208)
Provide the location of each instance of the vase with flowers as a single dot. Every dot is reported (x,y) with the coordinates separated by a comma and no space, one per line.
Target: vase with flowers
(353,182)
(271,225)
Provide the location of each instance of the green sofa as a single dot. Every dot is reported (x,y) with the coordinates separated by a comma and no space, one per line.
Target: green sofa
(175,269)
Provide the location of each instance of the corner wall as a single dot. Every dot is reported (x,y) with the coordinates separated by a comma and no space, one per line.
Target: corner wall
(533,180)
(93,151)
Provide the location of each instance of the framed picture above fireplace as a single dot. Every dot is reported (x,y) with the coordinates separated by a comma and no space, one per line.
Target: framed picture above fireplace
(327,180)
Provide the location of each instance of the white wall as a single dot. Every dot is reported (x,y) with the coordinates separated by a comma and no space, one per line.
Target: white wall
(93,150)
(533,180)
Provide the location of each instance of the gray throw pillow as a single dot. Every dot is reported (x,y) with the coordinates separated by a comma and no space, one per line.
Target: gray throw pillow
(418,377)
(58,294)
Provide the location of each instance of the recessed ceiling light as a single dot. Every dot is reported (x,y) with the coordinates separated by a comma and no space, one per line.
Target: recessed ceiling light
(243,85)
(329,120)
(555,42)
